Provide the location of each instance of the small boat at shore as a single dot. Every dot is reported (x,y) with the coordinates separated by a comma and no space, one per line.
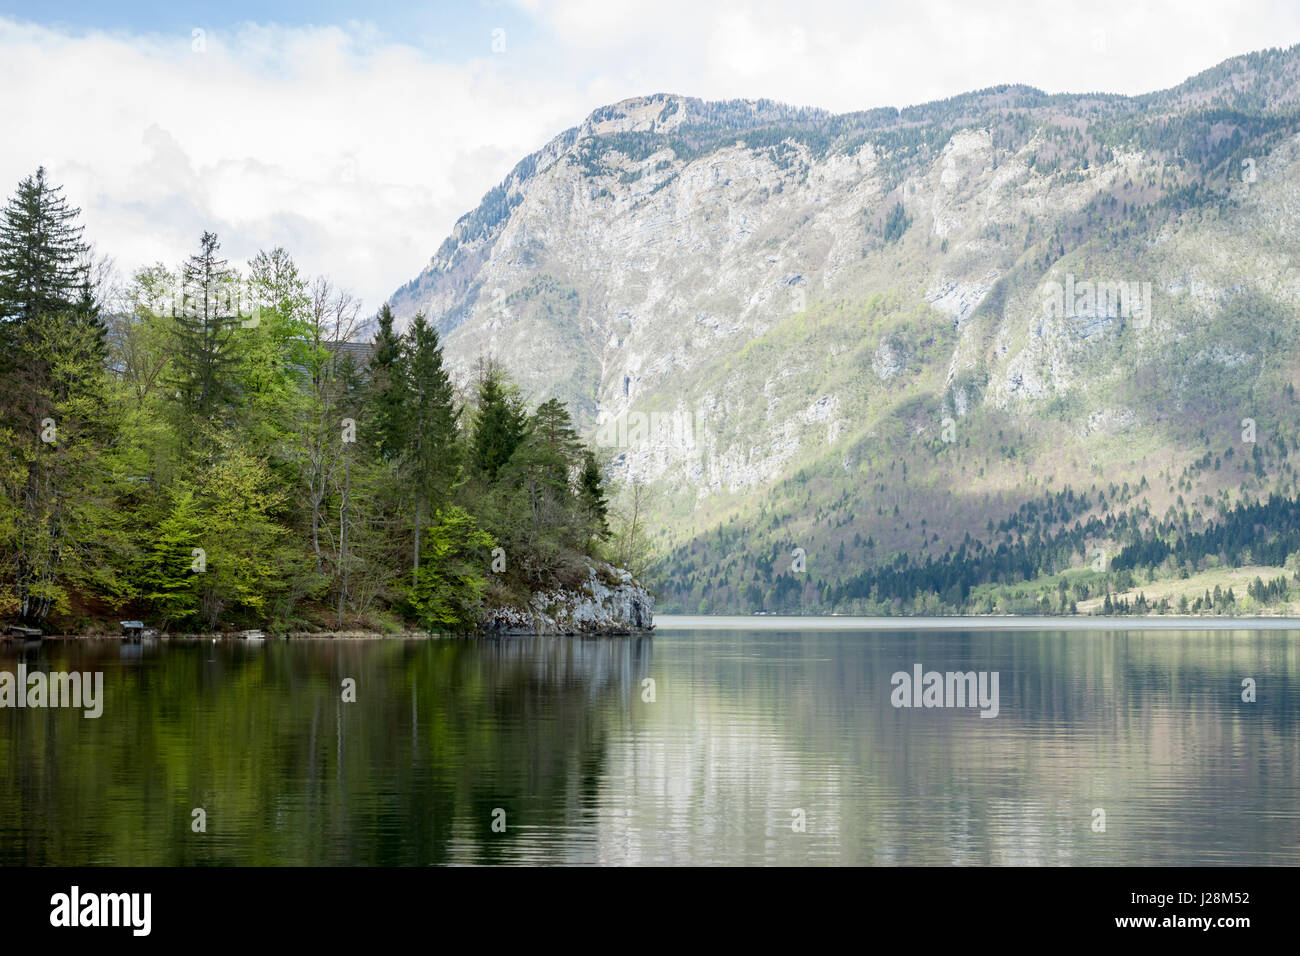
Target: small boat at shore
(26,633)
(253,636)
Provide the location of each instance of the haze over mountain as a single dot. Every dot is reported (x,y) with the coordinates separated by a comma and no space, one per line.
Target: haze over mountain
(897,336)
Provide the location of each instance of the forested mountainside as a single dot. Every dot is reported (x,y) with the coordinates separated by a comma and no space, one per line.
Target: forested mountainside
(1009,335)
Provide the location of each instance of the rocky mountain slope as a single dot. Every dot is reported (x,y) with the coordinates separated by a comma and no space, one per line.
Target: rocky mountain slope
(822,342)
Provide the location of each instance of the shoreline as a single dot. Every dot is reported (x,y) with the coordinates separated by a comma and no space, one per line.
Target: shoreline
(756,622)
(986,622)
(324,636)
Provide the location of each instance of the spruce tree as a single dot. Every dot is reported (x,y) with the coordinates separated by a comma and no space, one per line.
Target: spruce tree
(500,422)
(541,466)
(387,390)
(52,383)
(205,330)
(433,415)
(85,314)
(591,487)
(42,256)
(430,446)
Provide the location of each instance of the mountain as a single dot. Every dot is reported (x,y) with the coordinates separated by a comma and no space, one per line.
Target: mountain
(833,348)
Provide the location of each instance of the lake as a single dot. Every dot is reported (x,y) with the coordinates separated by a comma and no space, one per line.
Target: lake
(760,741)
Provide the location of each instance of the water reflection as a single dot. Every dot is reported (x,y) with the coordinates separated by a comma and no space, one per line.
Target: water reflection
(745,728)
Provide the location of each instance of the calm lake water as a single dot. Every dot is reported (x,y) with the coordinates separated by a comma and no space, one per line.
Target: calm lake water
(751,720)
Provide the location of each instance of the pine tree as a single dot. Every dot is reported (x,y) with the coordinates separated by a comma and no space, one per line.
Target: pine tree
(205,330)
(592,489)
(500,423)
(555,438)
(42,256)
(430,451)
(85,314)
(387,390)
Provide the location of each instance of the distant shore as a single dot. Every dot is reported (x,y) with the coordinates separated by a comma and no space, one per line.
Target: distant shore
(991,622)
(754,622)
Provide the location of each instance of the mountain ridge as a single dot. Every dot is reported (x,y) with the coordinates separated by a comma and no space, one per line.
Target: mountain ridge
(733,294)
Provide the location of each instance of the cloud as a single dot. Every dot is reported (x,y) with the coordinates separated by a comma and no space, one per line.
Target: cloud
(849,54)
(358,155)
(357,149)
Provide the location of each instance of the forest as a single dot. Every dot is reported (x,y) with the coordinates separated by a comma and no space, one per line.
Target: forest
(205,449)
(1061,553)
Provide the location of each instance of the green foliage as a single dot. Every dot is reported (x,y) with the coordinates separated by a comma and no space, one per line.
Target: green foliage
(274,341)
(242,537)
(592,490)
(500,423)
(387,388)
(204,332)
(41,253)
(169,579)
(430,420)
(242,461)
(450,584)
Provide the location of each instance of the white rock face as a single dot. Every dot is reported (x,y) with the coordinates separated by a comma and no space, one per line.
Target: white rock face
(888,362)
(609,602)
(731,284)
(960,299)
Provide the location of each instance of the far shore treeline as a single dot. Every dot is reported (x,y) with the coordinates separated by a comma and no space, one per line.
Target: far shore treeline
(206,450)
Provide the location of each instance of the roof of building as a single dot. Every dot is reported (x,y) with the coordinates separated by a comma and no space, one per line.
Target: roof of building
(360,351)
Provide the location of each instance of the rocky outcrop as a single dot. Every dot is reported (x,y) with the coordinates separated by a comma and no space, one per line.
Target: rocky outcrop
(609,602)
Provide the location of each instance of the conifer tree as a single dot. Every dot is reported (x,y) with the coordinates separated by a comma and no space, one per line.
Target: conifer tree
(205,330)
(500,422)
(541,467)
(85,314)
(592,489)
(386,388)
(430,445)
(54,395)
(557,442)
(42,267)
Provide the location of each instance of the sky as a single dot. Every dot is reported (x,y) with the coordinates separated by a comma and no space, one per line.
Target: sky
(355,135)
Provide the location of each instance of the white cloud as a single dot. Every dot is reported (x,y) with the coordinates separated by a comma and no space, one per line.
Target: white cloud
(356,156)
(357,151)
(849,54)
